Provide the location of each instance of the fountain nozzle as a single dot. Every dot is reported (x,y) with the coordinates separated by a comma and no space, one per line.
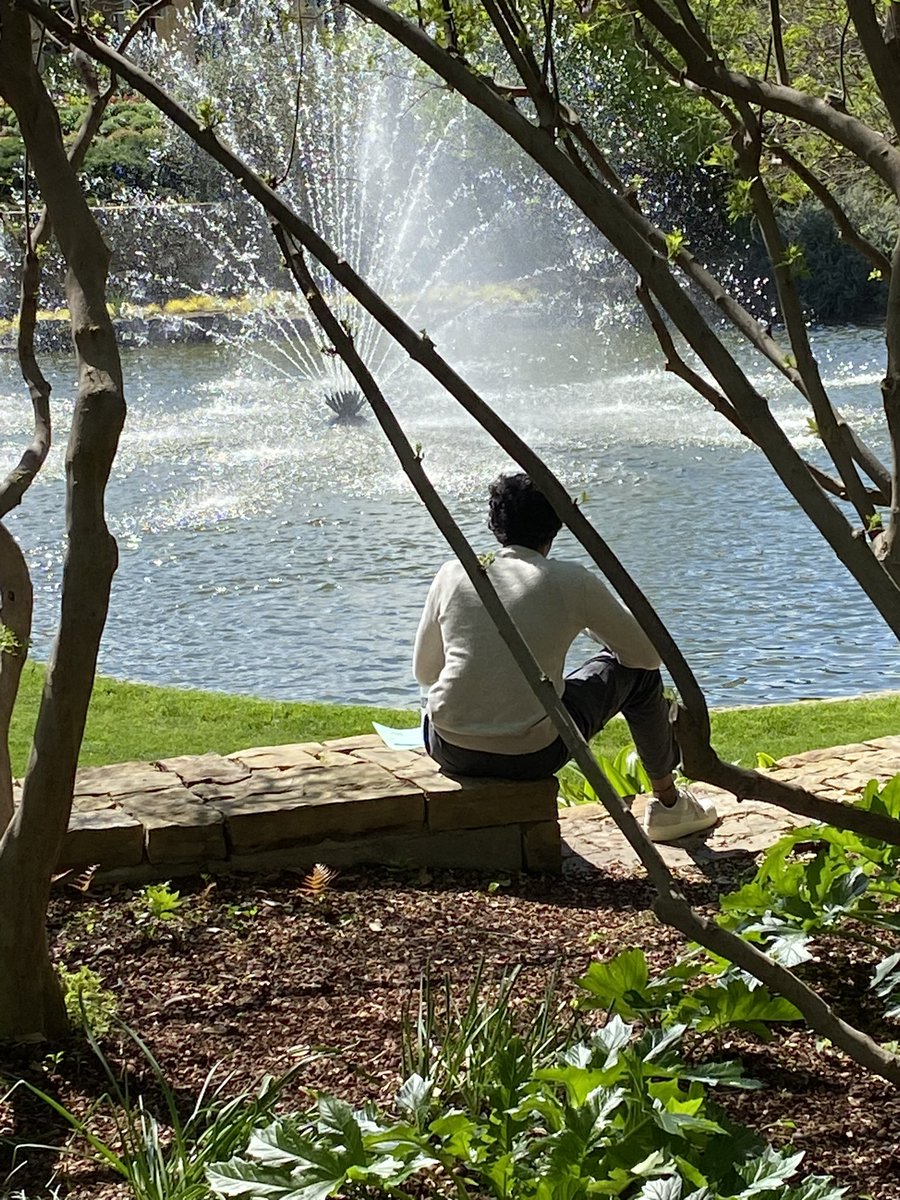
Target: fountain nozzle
(347,407)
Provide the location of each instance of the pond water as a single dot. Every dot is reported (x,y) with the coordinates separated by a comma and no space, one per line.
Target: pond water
(264,551)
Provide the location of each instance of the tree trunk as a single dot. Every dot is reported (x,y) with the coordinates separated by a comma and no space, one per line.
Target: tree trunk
(15,626)
(30,1001)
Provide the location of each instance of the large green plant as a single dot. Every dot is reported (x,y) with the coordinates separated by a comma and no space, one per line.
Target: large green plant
(825,881)
(505,1113)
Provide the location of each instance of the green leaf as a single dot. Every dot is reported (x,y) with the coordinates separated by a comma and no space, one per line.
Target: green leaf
(661,1042)
(887,975)
(456,1131)
(336,1117)
(414,1097)
(284,1143)
(815,1187)
(579,1082)
(890,796)
(683,1124)
(770,1171)
(613,1036)
(618,781)
(735,1004)
(616,984)
(240,1178)
(720,1074)
(661,1189)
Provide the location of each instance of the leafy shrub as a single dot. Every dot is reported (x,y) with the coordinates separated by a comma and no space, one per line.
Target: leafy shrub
(821,880)
(836,285)
(539,1113)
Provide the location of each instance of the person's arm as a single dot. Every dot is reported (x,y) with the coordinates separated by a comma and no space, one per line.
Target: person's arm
(610,623)
(428,655)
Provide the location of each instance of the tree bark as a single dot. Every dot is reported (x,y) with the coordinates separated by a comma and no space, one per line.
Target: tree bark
(30,1001)
(16,601)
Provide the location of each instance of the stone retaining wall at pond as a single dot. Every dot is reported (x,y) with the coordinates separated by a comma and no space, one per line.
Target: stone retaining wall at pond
(338,802)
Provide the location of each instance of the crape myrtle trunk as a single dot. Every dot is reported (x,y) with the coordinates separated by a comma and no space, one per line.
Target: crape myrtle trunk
(31,1005)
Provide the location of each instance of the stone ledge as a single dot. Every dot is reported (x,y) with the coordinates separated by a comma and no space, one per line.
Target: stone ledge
(344,801)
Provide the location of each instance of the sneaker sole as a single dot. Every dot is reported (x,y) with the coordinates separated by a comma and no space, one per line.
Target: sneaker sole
(681,831)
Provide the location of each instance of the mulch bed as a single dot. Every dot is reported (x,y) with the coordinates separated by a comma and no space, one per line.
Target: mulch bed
(254,975)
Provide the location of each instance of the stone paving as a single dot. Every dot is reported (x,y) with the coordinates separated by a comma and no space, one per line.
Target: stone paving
(352,800)
(591,840)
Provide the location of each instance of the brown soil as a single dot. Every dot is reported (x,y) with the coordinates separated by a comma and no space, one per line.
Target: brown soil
(253,973)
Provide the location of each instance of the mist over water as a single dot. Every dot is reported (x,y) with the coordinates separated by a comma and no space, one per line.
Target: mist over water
(266,552)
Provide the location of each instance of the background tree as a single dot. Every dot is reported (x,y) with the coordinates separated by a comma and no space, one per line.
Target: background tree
(31,1003)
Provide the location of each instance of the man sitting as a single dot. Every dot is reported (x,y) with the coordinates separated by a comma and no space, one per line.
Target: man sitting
(482,718)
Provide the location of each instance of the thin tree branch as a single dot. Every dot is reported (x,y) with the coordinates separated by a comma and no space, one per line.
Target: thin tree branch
(848,131)
(507,23)
(795,324)
(846,229)
(889,546)
(881,58)
(842,66)
(781,67)
(16,600)
(676,364)
(22,476)
(700,761)
(873,467)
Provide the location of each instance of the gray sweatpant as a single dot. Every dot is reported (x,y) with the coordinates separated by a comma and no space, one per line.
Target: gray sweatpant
(593,694)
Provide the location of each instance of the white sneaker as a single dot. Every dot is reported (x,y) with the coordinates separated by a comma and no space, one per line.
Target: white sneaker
(689,814)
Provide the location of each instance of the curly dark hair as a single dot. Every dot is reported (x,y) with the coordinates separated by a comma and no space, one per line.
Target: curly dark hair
(520,515)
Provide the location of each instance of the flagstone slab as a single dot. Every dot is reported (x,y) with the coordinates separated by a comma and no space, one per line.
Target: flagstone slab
(497,849)
(433,783)
(120,779)
(479,803)
(177,828)
(275,758)
(890,742)
(109,837)
(321,805)
(849,780)
(394,761)
(92,803)
(359,741)
(204,768)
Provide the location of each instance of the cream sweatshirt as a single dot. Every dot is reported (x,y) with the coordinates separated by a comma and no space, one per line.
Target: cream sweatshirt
(478,698)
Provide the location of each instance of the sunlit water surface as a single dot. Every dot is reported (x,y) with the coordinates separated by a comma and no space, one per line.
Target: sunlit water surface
(266,552)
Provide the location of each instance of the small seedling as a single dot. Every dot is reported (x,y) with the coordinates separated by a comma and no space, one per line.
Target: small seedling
(158,902)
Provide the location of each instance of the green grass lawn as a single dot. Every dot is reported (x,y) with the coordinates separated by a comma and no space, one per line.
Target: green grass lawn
(133,721)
